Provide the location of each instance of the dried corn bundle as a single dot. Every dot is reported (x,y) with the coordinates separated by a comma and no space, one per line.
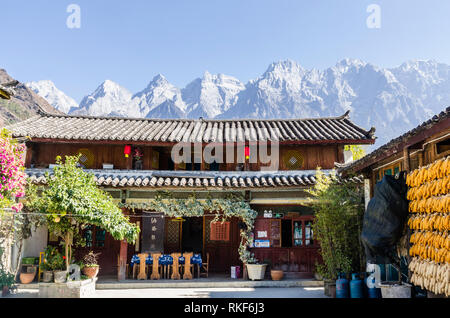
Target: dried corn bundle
(429,205)
(433,204)
(434,221)
(437,170)
(430,275)
(433,188)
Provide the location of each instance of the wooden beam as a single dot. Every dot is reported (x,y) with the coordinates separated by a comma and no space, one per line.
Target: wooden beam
(169,144)
(302,201)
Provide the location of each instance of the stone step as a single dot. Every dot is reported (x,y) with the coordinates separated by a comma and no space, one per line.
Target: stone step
(195,283)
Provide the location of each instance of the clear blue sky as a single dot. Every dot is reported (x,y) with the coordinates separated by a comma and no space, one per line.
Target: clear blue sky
(131,41)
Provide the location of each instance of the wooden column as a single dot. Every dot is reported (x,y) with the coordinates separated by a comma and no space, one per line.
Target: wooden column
(28,154)
(148,163)
(121,273)
(406,159)
(420,156)
(202,165)
(122,261)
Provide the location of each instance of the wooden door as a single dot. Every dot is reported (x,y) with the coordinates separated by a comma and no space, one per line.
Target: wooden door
(173,235)
(222,254)
(100,241)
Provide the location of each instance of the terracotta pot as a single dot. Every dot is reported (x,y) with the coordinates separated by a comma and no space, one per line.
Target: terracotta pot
(276,274)
(60,276)
(26,278)
(47,276)
(90,271)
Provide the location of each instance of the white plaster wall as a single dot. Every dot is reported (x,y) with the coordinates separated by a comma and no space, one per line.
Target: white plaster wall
(36,243)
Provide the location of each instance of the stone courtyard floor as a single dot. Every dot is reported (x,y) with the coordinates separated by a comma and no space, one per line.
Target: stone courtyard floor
(235,292)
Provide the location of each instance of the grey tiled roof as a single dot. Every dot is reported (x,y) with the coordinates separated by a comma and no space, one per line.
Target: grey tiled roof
(194,179)
(50,126)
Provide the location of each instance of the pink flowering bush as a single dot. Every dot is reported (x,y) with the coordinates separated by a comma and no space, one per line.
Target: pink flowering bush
(12,171)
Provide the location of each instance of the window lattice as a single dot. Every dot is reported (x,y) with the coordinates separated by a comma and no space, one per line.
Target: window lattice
(220,231)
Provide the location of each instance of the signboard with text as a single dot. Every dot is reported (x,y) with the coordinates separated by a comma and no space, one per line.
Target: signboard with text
(152,232)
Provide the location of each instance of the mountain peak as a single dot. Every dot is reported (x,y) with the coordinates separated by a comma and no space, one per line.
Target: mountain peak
(109,85)
(48,90)
(347,63)
(207,76)
(284,66)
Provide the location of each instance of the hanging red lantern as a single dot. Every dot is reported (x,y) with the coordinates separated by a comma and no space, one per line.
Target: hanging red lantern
(247,152)
(127,150)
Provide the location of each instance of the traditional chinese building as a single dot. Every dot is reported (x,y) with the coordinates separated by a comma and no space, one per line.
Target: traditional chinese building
(131,159)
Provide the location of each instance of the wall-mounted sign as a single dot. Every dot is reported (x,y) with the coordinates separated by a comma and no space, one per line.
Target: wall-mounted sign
(153,232)
(262,243)
(262,233)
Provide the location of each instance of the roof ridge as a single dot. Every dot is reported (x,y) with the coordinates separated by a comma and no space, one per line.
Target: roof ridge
(48,114)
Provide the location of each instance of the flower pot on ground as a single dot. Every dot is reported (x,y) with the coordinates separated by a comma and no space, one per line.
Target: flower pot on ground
(47,276)
(256,271)
(26,278)
(5,291)
(90,264)
(328,285)
(332,289)
(91,271)
(276,274)
(60,276)
(7,279)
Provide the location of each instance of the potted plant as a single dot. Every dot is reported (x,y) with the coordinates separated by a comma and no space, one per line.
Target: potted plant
(46,265)
(137,158)
(7,281)
(90,264)
(59,269)
(255,270)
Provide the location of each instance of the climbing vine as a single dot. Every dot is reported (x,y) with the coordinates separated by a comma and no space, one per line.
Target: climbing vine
(232,205)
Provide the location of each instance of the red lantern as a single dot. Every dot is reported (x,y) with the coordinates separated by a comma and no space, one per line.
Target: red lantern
(127,150)
(247,152)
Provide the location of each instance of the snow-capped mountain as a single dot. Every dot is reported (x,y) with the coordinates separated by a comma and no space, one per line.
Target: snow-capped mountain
(109,99)
(211,95)
(53,95)
(158,92)
(392,100)
(375,96)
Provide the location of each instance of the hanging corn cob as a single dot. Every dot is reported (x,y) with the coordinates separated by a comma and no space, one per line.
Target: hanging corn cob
(430,275)
(429,196)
